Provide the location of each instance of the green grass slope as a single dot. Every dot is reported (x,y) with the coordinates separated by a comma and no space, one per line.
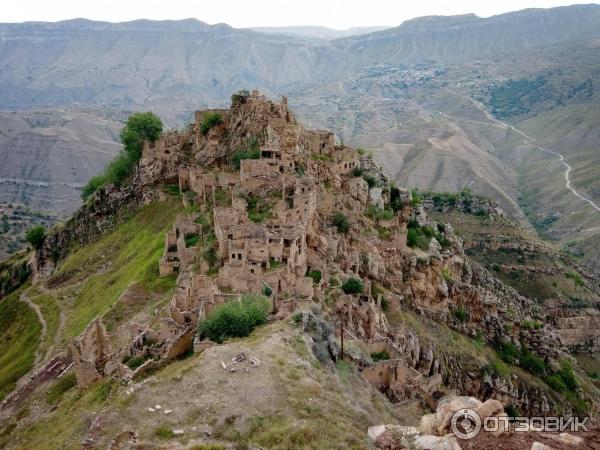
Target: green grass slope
(20,333)
(92,278)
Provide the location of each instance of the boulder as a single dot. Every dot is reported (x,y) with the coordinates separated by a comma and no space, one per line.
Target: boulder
(375,432)
(376,197)
(392,437)
(429,442)
(540,446)
(434,247)
(446,409)
(566,439)
(427,425)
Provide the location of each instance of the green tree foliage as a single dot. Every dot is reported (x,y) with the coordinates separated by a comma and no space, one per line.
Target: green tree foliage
(138,128)
(352,286)
(340,221)
(35,236)
(211,120)
(235,319)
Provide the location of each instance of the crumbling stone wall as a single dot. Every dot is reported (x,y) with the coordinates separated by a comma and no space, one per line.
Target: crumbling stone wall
(90,353)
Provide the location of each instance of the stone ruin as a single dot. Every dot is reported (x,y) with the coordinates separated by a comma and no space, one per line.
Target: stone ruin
(267,227)
(274,253)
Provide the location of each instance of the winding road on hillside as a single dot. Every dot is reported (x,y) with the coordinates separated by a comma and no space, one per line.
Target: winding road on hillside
(527,140)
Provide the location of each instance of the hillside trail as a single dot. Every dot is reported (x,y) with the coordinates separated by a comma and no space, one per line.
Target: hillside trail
(38,354)
(41,371)
(527,140)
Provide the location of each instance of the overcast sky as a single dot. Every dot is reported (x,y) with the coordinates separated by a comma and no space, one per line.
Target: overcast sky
(250,13)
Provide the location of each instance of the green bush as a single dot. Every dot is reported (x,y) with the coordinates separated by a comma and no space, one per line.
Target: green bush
(461,313)
(532,363)
(532,324)
(340,221)
(357,172)
(210,120)
(446,275)
(420,237)
(315,275)
(93,185)
(575,277)
(379,214)
(385,304)
(416,197)
(556,382)
(371,181)
(252,151)
(508,352)
(235,319)
(35,236)
(352,286)
(139,127)
(568,377)
(191,240)
(164,432)
(380,356)
(267,291)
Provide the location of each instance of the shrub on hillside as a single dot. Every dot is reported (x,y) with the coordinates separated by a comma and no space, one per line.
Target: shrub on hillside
(236,159)
(357,172)
(380,356)
(371,181)
(379,214)
(211,120)
(340,221)
(352,286)
(235,319)
(461,313)
(315,275)
(35,236)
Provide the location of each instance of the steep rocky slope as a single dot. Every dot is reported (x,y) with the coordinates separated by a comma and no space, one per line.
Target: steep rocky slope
(137,267)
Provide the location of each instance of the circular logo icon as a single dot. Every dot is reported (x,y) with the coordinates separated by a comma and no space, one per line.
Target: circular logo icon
(465,423)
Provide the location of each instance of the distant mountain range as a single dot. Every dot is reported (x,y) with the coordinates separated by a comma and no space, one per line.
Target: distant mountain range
(318,33)
(141,62)
(419,94)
